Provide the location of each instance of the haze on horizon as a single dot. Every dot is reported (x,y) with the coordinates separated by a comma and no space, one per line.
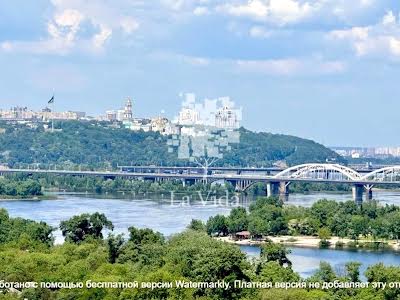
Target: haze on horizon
(321,69)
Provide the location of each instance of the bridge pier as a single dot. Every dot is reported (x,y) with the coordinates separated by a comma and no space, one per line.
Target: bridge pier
(278,189)
(368,192)
(358,191)
(272,189)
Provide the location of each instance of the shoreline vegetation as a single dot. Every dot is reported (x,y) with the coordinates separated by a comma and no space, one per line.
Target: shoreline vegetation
(11,188)
(144,256)
(326,224)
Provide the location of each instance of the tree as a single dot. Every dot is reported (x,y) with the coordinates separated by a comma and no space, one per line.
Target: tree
(265,201)
(358,226)
(140,236)
(323,210)
(79,228)
(325,273)
(339,224)
(324,233)
(272,271)
(200,258)
(11,230)
(237,220)
(275,252)
(114,246)
(385,274)
(197,225)
(353,271)
(267,220)
(394,225)
(37,231)
(217,225)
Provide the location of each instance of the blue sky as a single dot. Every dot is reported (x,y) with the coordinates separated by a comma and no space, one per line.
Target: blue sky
(321,69)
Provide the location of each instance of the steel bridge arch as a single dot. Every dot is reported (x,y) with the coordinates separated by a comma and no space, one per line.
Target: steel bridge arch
(391,174)
(303,171)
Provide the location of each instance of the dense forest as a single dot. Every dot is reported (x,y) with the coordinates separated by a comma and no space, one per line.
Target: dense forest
(325,218)
(90,265)
(100,145)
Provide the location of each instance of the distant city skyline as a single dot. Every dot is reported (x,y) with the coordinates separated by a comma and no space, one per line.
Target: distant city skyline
(324,70)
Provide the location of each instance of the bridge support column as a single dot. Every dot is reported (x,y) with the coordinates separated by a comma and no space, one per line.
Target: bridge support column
(368,192)
(284,191)
(358,191)
(273,189)
(278,189)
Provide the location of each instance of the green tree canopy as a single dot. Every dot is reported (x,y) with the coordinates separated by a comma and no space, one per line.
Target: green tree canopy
(79,228)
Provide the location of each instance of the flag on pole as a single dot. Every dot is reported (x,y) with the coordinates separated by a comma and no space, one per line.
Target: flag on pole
(51,100)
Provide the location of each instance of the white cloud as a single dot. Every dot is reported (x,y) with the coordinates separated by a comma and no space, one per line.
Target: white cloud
(100,38)
(280,12)
(379,40)
(292,67)
(200,11)
(389,18)
(64,27)
(288,12)
(65,30)
(69,17)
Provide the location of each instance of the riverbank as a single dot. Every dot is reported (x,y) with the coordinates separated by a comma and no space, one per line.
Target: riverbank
(17,198)
(314,242)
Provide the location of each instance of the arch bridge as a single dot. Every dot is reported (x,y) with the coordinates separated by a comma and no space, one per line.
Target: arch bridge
(278,185)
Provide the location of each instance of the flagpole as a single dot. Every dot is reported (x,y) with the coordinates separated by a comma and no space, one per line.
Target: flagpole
(52,114)
(52,117)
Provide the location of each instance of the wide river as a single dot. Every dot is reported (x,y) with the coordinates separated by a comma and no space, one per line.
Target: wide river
(169,217)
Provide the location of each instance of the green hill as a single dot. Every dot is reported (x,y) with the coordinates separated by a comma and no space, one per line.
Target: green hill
(98,145)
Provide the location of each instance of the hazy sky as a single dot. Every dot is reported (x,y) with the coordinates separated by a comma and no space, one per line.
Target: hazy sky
(321,69)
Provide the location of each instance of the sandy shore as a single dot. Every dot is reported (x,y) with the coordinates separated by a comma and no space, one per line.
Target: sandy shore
(305,241)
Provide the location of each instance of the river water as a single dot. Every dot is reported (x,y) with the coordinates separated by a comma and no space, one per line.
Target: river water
(168,217)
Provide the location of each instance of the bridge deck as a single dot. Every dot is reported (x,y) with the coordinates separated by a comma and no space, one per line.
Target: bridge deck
(213,177)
